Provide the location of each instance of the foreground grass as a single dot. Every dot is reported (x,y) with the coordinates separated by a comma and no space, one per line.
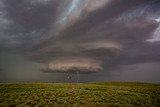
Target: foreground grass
(101,94)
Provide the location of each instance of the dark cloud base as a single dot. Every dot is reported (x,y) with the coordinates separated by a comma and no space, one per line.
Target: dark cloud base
(72,70)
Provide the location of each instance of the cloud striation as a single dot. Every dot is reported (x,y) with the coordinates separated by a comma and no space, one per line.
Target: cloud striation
(81,35)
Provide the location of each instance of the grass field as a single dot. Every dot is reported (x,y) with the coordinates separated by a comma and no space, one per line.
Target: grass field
(98,94)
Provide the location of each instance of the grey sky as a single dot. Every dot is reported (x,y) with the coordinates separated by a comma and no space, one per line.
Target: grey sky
(102,39)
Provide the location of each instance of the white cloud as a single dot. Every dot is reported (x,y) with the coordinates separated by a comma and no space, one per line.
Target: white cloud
(96,4)
(71,63)
(157,20)
(102,44)
(156,36)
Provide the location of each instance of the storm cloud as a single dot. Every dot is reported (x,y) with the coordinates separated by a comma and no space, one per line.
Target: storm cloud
(89,36)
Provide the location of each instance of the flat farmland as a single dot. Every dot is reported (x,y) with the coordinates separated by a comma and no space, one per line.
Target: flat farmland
(94,94)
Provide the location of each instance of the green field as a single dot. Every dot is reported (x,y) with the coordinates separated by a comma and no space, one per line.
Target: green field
(98,94)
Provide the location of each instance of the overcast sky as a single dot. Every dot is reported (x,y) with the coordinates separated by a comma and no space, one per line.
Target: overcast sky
(102,40)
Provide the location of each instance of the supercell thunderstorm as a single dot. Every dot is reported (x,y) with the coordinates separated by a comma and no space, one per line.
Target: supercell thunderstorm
(81,35)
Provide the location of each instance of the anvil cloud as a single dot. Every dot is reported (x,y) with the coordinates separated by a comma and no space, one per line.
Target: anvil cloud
(81,35)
